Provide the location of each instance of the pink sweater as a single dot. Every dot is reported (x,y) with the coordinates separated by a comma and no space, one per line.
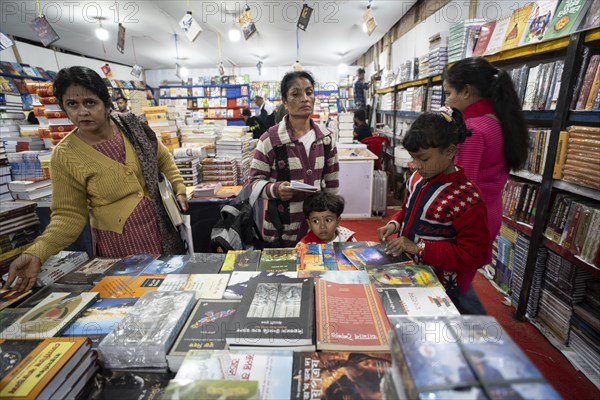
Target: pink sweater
(482,158)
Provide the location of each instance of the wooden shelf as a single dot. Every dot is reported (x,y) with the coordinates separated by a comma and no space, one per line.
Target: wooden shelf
(567,255)
(385,90)
(539,116)
(577,189)
(525,229)
(592,35)
(527,175)
(530,50)
(584,117)
(417,82)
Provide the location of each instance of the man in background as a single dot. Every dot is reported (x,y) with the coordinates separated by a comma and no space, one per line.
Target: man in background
(256,126)
(122,104)
(266,111)
(359,89)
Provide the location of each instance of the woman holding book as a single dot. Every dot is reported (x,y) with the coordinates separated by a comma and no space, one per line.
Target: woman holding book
(108,169)
(294,150)
(486,97)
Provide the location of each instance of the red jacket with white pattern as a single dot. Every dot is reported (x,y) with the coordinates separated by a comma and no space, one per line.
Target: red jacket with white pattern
(447,212)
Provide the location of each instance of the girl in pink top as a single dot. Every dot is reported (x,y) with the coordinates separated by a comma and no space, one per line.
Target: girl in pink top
(499,142)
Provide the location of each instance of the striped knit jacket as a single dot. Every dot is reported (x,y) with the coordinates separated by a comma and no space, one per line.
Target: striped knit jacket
(312,170)
(482,158)
(448,214)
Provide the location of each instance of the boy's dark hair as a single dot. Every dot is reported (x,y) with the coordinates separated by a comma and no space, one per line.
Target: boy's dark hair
(361,115)
(288,78)
(432,129)
(246,112)
(323,201)
(496,84)
(360,71)
(121,97)
(82,76)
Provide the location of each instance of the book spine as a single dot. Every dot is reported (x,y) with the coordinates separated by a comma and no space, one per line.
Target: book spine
(572,220)
(561,154)
(587,82)
(594,90)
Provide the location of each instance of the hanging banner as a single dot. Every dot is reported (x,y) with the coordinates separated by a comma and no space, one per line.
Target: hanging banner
(304,17)
(136,71)
(369,20)
(44,30)
(107,71)
(247,24)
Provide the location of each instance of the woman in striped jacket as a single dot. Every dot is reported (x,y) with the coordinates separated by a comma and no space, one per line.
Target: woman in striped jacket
(294,150)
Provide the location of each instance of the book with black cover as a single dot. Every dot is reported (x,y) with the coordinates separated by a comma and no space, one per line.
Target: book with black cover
(131,385)
(275,312)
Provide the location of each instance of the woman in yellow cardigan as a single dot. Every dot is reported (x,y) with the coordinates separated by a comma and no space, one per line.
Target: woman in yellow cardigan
(108,169)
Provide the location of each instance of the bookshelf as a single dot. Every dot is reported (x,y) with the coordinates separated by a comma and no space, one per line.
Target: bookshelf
(346,97)
(213,102)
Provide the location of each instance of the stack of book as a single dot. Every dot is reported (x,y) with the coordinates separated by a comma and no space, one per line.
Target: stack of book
(28,164)
(585,328)
(519,77)
(202,136)
(438,54)
(423,66)
(543,84)
(504,263)
(581,164)
(434,97)
(10,102)
(165,128)
(222,169)
(5,176)
(10,133)
(475,362)
(190,169)
(519,201)
(241,150)
(30,189)
(521,248)
(346,127)
(19,225)
(462,39)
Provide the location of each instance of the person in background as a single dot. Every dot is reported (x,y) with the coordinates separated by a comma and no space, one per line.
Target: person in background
(323,212)
(280,112)
(361,129)
(486,97)
(443,220)
(295,149)
(359,89)
(122,104)
(256,126)
(266,111)
(107,168)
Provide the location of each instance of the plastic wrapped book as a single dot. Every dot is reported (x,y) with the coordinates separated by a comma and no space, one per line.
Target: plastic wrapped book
(146,334)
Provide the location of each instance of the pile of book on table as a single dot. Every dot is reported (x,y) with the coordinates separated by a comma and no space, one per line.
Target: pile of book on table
(237,325)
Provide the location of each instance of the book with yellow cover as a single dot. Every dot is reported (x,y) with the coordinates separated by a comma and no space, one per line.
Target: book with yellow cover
(127,286)
(516,26)
(42,365)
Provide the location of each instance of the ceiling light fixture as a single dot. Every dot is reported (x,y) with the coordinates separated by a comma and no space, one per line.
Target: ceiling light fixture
(183,72)
(101,32)
(234,33)
(342,68)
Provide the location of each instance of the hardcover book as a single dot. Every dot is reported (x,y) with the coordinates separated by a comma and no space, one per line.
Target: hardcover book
(145,335)
(350,317)
(275,312)
(238,282)
(127,286)
(41,371)
(89,273)
(272,369)
(100,319)
(204,330)
(241,260)
(567,18)
(205,286)
(393,275)
(277,260)
(50,317)
(418,301)
(331,375)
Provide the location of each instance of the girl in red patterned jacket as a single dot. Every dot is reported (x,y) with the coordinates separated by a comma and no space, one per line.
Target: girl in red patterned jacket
(443,221)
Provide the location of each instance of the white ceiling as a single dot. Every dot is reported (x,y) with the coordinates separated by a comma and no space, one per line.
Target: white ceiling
(334,34)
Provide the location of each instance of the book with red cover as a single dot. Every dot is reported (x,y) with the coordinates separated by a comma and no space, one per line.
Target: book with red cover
(350,317)
(484,38)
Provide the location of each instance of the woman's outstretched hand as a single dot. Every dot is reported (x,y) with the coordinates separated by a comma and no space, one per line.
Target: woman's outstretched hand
(24,269)
(284,192)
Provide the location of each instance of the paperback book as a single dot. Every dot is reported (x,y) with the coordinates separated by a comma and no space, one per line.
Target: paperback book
(372,257)
(213,389)
(241,260)
(89,273)
(272,369)
(393,275)
(275,312)
(238,282)
(341,260)
(131,385)
(59,265)
(205,286)
(100,319)
(315,257)
(277,260)
(331,375)
(50,317)
(127,286)
(417,301)
(197,263)
(131,265)
(350,317)
(204,330)
(8,297)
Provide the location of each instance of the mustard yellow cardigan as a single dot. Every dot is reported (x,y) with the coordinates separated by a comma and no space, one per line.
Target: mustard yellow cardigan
(86,182)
